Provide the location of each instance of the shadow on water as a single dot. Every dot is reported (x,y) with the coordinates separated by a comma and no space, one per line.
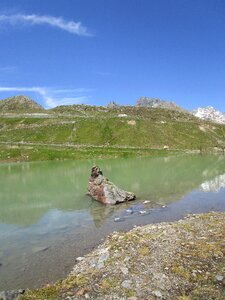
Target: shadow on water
(46,216)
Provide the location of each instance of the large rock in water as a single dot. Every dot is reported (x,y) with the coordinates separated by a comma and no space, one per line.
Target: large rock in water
(102,190)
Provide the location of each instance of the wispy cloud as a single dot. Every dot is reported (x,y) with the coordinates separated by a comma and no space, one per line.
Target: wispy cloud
(53,97)
(58,22)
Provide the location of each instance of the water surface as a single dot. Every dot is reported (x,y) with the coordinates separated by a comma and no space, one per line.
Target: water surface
(47,220)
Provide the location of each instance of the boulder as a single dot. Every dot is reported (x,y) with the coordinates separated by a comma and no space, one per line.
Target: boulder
(104,191)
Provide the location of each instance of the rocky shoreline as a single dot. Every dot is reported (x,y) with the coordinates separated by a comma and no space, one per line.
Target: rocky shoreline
(180,260)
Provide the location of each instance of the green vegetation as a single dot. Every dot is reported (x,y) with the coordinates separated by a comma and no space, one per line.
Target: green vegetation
(38,152)
(71,132)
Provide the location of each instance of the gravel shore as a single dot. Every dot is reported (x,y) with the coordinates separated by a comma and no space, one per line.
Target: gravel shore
(181,260)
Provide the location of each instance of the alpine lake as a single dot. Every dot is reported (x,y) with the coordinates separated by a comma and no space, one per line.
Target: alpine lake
(47,220)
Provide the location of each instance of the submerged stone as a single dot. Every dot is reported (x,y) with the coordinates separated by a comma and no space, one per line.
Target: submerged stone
(104,191)
(37,249)
(119,219)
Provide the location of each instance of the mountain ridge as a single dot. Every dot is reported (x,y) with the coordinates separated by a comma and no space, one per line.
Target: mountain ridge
(82,131)
(24,104)
(157,103)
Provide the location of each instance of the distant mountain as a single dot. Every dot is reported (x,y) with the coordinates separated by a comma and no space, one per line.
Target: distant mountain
(19,104)
(210,113)
(157,103)
(112,104)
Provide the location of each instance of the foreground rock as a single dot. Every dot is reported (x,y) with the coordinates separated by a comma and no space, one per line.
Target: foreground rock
(11,295)
(104,191)
(181,260)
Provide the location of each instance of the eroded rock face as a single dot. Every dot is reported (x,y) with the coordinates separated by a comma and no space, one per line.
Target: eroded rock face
(104,191)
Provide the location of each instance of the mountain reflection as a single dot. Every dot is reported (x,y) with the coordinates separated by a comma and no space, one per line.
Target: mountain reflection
(213,185)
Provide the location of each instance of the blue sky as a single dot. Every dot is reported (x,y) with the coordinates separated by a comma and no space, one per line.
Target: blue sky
(96,51)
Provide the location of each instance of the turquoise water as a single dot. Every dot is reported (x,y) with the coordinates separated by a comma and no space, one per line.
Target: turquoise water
(47,220)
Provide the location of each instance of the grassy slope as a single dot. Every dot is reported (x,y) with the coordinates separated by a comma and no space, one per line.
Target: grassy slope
(97,126)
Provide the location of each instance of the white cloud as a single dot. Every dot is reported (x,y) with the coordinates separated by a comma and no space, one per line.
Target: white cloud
(53,97)
(58,22)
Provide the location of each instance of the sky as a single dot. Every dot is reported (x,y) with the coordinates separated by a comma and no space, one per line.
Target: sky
(97,51)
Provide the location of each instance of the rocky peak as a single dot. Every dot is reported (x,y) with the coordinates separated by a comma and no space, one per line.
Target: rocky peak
(157,103)
(210,113)
(112,104)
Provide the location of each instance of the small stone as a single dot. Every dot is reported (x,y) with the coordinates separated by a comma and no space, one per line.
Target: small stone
(80,258)
(39,249)
(127,258)
(142,212)
(158,294)
(219,278)
(146,201)
(124,270)
(100,265)
(129,211)
(102,258)
(3,295)
(80,292)
(126,284)
(119,219)
(87,296)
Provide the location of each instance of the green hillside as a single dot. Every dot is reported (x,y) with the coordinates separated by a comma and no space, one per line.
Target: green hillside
(83,131)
